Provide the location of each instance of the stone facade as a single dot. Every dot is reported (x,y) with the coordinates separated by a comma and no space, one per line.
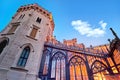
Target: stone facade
(19,38)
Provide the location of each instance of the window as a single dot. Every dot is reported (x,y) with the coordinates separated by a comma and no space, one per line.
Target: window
(99,70)
(33,32)
(58,67)
(13,28)
(38,20)
(78,70)
(21,16)
(2,45)
(24,57)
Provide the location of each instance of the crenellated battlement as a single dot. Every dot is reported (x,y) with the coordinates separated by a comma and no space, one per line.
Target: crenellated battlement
(37,8)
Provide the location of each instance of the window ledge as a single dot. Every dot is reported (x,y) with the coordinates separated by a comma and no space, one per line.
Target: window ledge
(16,23)
(19,69)
(7,34)
(31,37)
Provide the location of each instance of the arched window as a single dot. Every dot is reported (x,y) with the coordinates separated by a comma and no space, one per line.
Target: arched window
(38,20)
(99,70)
(24,57)
(2,45)
(58,67)
(45,62)
(78,69)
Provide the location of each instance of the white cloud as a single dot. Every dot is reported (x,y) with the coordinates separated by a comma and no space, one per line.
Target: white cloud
(84,28)
(103,24)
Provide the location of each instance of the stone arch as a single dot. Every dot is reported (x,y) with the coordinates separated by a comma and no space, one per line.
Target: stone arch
(3,43)
(58,52)
(99,70)
(78,69)
(58,66)
(4,38)
(76,56)
(45,51)
(22,47)
(99,62)
(28,44)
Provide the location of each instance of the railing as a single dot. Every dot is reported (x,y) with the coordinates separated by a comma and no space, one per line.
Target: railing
(77,49)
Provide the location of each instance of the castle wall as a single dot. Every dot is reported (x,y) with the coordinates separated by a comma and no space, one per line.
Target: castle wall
(18,41)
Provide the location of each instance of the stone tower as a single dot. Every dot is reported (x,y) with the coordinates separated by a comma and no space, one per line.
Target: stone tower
(22,41)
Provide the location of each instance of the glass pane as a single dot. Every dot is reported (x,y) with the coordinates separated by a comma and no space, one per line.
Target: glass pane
(33,33)
(23,53)
(63,76)
(13,28)
(58,70)
(45,71)
(19,62)
(24,62)
(78,72)
(72,73)
(26,54)
(53,69)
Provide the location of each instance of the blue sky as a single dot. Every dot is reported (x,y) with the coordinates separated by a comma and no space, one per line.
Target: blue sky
(87,20)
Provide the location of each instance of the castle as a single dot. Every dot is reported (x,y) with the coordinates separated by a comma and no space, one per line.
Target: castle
(29,51)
